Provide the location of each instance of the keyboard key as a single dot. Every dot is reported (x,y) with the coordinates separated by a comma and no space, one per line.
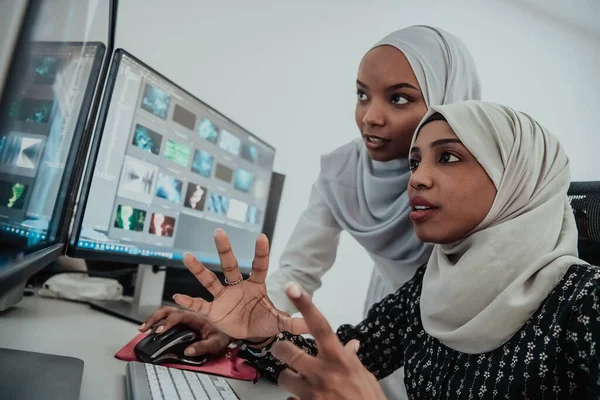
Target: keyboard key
(213,393)
(195,385)
(226,392)
(181,384)
(166,383)
(153,382)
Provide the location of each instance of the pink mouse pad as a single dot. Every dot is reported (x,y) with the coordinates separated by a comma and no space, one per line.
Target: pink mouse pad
(227,365)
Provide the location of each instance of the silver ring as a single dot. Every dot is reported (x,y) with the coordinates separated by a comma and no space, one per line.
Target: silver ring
(236,282)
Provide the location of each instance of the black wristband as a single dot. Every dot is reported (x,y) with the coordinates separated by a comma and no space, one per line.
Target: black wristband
(259,353)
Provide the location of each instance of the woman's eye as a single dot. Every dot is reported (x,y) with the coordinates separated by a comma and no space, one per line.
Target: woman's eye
(449,158)
(361,95)
(399,100)
(413,164)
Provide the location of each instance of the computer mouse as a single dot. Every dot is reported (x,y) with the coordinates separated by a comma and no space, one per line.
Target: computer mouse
(168,347)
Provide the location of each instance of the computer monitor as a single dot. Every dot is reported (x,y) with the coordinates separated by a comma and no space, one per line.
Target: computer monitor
(165,171)
(43,111)
(48,93)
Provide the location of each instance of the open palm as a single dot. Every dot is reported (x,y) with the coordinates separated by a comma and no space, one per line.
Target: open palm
(241,310)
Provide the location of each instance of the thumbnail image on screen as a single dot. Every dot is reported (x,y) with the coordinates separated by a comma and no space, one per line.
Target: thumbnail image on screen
(218,204)
(168,188)
(195,197)
(146,139)
(207,130)
(184,117)
(20,151)
(202,163)
(242,180)
(260,189)
(137,180)
(156,101)
(177,152)
(223,173)
(237,210)
(12,194)
(34,110)
(130,219)
(162,225)
(249,153)
(229,142)
(253,216)
(46,68)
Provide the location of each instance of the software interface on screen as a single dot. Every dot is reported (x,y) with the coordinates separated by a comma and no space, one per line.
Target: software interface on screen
(39,121)
(169,171)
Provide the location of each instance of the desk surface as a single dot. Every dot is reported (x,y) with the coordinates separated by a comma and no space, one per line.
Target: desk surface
(72,329)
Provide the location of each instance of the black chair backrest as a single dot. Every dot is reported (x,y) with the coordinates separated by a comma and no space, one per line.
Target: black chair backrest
(585,202)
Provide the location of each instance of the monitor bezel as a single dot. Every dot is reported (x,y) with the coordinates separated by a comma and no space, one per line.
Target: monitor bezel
(81,137)
(73,250)
(24,265)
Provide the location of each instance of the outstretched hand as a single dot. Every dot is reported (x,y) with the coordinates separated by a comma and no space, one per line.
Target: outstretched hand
(241,309)
(336,373)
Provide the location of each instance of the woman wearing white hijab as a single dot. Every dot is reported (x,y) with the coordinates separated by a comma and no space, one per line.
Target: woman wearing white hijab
(503,308)
(361,188)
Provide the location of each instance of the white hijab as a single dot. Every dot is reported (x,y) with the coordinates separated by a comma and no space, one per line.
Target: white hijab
(367,198)
(478,292)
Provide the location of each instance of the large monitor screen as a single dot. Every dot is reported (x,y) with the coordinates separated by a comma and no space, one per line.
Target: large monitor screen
(167,170)
(41,123)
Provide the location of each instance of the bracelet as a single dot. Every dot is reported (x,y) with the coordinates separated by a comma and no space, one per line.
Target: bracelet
(262,352)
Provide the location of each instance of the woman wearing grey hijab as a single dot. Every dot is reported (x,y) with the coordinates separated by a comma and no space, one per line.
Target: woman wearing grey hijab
(361,188)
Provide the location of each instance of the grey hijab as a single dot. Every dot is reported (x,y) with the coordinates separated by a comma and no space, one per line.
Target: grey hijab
(368,198)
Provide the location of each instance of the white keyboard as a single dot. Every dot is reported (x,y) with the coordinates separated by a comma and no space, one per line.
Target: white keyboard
(148,381)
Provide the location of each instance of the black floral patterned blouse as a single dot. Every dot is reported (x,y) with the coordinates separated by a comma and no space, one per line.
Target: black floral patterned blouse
(555,355)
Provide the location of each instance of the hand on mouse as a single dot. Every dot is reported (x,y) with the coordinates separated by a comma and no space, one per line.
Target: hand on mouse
(242,308)
(335,373)
(212,341)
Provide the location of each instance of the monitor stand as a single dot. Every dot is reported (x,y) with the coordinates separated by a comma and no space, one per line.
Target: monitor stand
(147,297)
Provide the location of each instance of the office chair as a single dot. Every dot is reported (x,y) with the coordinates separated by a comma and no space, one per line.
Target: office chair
(585,203)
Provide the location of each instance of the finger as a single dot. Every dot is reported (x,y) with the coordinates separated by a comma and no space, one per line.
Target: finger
(295,384)
(327,341)
(194,320)
(204,276)
(193,303)
(175,318)
(156,316)
(294,325)
(212,345)
(229,263)
(352,347)
(260,264)
(295,358)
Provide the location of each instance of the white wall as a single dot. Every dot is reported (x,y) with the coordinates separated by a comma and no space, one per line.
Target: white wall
(286,71)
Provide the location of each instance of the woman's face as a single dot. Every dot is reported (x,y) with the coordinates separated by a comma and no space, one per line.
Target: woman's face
(390,103)
(450,192)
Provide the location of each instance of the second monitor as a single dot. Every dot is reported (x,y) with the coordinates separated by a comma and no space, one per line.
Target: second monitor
(165,171)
